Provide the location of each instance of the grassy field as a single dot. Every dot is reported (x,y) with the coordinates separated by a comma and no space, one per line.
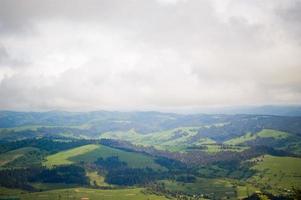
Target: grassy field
(63,157)
(171,140)
(241,139)
(91,194)
(5,192)
(215,148)
(96,179)
(277,174)
(215,188)
(51,186)
(218,188)
(265,133)
(10,156)
(177,136)
(90,153)
(268,133)
(245,190)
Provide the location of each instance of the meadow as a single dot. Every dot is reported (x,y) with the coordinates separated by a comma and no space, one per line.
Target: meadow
(11,156)
(91,152)
(78,193)
(265,133)
(277,174)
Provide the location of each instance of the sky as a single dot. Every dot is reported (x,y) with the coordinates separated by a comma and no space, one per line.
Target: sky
(149,54)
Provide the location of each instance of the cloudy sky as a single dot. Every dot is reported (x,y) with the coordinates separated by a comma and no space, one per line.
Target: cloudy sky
(148,54)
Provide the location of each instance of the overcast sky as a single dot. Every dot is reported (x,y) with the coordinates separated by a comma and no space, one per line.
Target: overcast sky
(148,54)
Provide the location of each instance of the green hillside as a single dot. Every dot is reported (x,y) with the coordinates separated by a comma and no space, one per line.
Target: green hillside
(172,140)
(78,193)
(277,174)
(90,153)
(213,188)
(11,156)
(265,133)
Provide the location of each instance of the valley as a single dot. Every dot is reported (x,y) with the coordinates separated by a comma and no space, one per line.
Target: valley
(151,155)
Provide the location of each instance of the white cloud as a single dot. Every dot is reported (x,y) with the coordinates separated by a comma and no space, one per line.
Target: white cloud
(140,54)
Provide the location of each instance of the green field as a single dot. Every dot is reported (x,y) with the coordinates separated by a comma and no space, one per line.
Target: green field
(163,138)
(11,156)
(90,153)
(215,188)
(51,186)
(277,174)
(265,133)
(63,157)
(78,193)
(5,192)
(215,148)
(268,133)
(241,139)
(96,179)
(172,140)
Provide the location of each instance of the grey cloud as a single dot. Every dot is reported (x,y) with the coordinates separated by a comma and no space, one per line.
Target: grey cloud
(290,18)
(3,54)
(141,53)
(6,60)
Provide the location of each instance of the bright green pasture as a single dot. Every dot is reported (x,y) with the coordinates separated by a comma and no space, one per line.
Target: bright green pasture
(277,174)
(215,188)
(91,152)
(265,133)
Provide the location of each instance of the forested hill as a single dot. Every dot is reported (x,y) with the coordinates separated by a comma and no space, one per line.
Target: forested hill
(173,155)
(143,122)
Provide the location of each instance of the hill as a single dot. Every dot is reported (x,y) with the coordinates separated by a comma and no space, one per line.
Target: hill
(276,174)
(265,133)
(22,157)
(91,152)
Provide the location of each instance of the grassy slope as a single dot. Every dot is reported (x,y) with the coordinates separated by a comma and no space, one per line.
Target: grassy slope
(51,186)
(277,173)
(10,156)
(62,157)
(92,194)
(9,192)
(215,148)
(268,133)
(217,187)
(265,133)
(96,179)
(173,140)
(90,153)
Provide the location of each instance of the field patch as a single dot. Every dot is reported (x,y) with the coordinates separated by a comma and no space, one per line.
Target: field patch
(63,157)
(91,194)
(90,153)
(167,138)
(265,133)
(277,174)
(214,188)
(96,179)
(13,155)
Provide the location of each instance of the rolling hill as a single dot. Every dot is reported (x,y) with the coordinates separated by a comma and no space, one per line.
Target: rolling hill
(90,153)
(148,155)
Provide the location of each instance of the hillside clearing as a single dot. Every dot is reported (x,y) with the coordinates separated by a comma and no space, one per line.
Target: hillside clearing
(277,174)
(91,152)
